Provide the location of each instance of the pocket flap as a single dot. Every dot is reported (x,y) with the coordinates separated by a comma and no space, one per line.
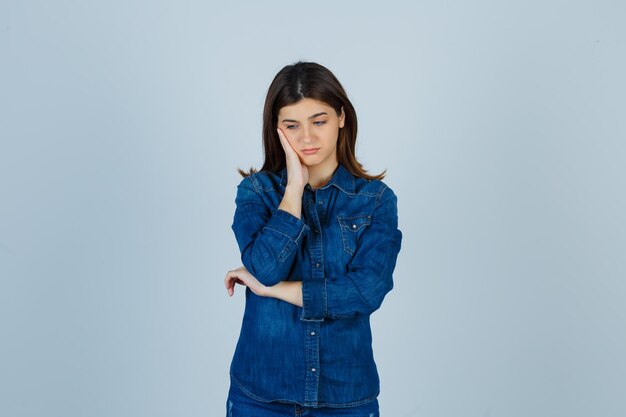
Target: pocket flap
(354,223)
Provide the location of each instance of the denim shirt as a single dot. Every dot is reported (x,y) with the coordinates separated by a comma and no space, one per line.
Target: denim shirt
(344,250)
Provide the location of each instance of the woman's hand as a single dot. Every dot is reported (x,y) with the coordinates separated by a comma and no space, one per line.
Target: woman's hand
(243,277)
(297,178)
(297,172)
(289,291)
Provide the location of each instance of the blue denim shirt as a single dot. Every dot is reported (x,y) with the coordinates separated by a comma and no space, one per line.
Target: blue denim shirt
(344,250)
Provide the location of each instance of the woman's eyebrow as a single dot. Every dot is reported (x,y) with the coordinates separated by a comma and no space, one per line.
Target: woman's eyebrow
(310,117)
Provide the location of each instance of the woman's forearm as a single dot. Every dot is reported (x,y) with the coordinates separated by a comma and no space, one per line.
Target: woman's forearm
(289,291)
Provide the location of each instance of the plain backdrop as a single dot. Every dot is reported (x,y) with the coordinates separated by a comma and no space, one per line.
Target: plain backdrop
(500,124)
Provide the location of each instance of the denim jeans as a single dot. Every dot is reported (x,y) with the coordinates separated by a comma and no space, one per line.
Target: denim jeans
(239,404)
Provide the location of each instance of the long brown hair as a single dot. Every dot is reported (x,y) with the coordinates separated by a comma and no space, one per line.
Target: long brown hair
(308,80)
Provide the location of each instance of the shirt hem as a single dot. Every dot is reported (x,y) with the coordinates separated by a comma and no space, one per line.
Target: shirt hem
(287,401)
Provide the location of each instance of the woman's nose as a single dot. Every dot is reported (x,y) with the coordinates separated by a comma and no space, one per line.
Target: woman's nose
(306,131)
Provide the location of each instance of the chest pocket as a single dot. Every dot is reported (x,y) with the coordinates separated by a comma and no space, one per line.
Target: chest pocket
(352,227)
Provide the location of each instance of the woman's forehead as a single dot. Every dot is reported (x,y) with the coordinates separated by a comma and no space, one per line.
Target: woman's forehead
(304,108)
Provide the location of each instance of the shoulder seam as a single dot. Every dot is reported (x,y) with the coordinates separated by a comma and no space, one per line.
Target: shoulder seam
(254,181)
(380,194)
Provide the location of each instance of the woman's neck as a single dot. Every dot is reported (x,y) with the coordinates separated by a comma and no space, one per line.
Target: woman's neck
(320,175)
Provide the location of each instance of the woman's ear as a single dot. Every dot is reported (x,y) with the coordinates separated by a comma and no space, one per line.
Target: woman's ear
(342,118)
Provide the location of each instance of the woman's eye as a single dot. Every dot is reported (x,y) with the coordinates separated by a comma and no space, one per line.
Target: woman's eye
(318,123)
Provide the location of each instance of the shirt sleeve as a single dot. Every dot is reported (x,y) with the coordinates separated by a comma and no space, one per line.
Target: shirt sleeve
(363,287)
(267,238)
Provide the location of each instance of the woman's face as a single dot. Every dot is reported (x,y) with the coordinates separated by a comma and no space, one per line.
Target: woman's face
(312,128)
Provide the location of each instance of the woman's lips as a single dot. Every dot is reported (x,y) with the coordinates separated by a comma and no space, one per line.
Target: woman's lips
(310,151)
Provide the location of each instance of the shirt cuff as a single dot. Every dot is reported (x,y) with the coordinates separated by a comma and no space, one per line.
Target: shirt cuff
(313,299)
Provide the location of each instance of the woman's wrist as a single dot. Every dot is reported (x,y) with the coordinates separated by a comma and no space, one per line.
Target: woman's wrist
(292,201)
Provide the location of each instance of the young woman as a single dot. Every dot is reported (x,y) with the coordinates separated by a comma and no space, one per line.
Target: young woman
(319,240)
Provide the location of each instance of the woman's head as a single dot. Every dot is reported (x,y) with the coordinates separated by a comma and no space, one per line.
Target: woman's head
(312,81)
(312,129)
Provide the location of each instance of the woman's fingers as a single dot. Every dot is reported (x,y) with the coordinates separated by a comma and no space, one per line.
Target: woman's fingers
(231,289)
(296,170)
(236,276)
(243,277)
(290,152)
(231,279)
(284,142)
(230,285)
(233,272)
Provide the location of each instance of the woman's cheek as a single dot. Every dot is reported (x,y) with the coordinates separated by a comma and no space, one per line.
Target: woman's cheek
(292,140)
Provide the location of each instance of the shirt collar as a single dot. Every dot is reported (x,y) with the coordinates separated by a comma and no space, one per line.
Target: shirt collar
(341,178)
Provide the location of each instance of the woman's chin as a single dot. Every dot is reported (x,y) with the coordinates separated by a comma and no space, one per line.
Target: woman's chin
(308,160)
(310,163)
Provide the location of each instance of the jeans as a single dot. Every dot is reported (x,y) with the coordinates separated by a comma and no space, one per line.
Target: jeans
(239,404)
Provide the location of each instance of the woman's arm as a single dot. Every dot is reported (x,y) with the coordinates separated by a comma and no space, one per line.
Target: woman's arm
(360,290)
(289,291)
(267,238)
(369,276)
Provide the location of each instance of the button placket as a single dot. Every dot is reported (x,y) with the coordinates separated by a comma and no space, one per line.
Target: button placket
(312,379)
(312,342)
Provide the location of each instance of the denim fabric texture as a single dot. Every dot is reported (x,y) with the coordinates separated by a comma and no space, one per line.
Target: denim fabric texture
(344,250)
(240,404)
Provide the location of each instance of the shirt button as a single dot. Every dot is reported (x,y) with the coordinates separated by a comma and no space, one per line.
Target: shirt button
(315,230)
(353,226)
(321,203)
(313,369)
(317,265)
(312,333)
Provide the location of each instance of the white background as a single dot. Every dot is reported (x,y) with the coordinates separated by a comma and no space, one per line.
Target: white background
(501,128)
